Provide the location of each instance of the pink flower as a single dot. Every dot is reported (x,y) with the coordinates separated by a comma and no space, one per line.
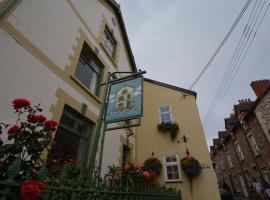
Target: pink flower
(146,174)
(127,167)
(137,166)
(110,178)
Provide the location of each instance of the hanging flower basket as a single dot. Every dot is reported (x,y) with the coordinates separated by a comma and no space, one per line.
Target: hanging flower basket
(170,127)
(153,165)
(190,166)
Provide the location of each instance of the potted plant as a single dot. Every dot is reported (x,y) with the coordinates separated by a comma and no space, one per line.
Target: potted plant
(171,127)
(191,167)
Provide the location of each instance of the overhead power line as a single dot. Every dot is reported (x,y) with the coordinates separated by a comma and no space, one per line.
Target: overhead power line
(222,43)
(251,36)
(230,67)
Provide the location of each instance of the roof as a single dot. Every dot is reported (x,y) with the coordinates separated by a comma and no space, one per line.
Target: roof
(117,10)
(232,121)
(223,134)
(216,141)
(244,106)
(172,87)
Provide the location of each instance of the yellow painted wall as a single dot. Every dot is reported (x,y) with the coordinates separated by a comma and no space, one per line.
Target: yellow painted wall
(185,113)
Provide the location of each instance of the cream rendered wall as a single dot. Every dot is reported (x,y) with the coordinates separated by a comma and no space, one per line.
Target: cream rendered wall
(52,27)
(22,75)
(93,12)
(185,113)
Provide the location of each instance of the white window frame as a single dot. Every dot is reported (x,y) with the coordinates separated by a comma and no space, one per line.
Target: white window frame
(239,152)
(177,163)
(254,146)
(229,159)
(160,113)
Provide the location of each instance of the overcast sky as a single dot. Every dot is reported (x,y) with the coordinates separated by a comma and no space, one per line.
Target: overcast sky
(173,40)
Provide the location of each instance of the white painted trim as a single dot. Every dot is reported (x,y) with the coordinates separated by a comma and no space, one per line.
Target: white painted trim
(171,164)
(170,111)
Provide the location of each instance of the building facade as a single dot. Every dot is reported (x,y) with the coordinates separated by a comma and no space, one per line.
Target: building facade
(166,103)
(241,152)
(57,53)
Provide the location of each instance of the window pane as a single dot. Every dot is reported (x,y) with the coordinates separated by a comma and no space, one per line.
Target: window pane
(166,117)
(83,128)
(93,86)
(67,121)
(169,169)
(165,109)
(84,73)
(175,168)
(176,175)
(71,146)
(174,159)
(94,64)
(170,176)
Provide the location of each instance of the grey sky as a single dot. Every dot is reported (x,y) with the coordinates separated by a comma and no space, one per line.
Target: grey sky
(173,40)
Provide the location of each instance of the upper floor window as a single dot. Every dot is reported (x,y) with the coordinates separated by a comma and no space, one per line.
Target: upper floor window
(254,146)
(165,113)
(109,42)
(229,160)
(239,151)
(88,69)
(172,168)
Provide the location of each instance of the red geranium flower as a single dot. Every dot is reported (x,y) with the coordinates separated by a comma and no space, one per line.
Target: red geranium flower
(31,118)
(30,189)
(146,174)
(127,167)
(13,129)
(152,173)
(51,124)
(20,103)
(40,118)
(137,165)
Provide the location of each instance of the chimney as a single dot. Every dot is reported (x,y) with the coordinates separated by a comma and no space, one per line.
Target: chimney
(260,86)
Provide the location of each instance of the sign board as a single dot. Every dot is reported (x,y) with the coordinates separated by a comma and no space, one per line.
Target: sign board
(205,166)
(125,100)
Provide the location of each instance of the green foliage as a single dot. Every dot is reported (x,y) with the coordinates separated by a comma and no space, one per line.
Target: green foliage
(171,127)
(26,141)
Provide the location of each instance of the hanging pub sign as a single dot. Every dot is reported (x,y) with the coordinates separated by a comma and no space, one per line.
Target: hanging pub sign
(125,100)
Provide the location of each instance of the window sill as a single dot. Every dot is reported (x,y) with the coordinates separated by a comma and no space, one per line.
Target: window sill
(77,81)
(173,181)
(111,58)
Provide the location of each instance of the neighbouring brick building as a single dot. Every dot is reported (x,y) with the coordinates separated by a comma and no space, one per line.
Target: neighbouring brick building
(242,151)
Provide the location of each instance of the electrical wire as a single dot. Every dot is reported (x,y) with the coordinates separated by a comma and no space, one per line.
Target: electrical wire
(222,43)
(246,51)
(229,66)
